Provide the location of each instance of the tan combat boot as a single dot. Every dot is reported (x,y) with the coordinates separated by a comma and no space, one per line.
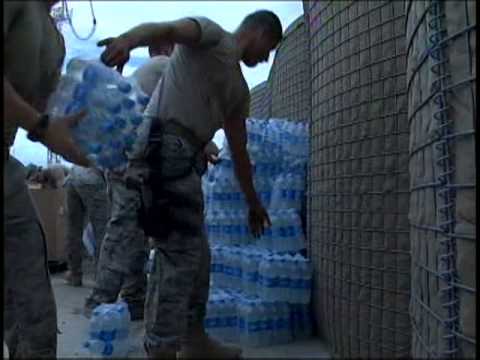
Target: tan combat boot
(73,279)
(198,345)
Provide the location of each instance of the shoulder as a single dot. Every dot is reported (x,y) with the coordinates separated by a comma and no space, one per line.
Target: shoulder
(11,10)
(210,32)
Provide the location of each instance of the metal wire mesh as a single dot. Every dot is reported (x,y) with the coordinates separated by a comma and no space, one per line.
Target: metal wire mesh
(359,177)
(289,78)
(260,101)
(441,115)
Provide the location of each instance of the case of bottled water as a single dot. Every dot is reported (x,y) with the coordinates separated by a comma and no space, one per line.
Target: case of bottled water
(114,107)
(108,331)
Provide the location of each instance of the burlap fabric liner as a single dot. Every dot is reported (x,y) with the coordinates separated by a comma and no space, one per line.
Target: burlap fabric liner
(429,308)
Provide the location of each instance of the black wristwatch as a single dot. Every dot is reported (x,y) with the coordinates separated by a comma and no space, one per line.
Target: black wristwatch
(38,132)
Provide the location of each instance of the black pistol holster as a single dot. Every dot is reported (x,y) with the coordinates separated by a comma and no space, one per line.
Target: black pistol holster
(164,165)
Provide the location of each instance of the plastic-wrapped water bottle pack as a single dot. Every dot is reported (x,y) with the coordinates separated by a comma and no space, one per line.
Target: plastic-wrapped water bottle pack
(252,321)
(230,227)
(267,275)
(114,107)
(108,331)
(277,149)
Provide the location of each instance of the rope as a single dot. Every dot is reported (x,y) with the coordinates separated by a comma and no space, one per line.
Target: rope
(69,14)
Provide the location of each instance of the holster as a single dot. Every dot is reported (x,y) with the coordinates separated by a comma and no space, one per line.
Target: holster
(153,216)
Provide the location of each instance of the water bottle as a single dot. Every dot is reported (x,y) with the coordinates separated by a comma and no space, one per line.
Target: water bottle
(231,334)
(56,105)
(243,310)
(280,232)
(253,321)
(214,266)
(279,193)
(236,268)
(248,272)
(228,268)
(299,236)
(238,228)
(268,324)
(222,223)
(307,280)
(267,278)
(212,320)
(284,334)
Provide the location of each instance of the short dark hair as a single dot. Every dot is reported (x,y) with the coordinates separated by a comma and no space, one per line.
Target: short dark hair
(265,20)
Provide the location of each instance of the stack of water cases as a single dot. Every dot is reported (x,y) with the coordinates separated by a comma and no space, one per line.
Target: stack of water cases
(260,288)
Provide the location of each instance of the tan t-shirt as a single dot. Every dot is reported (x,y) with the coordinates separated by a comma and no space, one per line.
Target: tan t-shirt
(204,85)
(148,75)
(34,53)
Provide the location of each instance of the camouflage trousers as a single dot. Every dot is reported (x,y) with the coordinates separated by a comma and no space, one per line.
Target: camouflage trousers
(30,317)
(86,201)
(178,283)
(123,251)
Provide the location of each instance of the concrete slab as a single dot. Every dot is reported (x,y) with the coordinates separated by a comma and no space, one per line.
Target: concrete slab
(73,326)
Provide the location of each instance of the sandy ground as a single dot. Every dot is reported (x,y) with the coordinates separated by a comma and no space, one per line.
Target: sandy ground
(73,327)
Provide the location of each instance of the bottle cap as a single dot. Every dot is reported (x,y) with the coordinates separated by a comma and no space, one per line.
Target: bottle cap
(124,87)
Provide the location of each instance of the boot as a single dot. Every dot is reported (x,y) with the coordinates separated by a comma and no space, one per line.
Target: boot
(198,345)
(160,353)
(136,309)
(136,306)
(73,278)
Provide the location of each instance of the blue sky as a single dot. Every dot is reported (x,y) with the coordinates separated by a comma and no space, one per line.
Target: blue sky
(116,17)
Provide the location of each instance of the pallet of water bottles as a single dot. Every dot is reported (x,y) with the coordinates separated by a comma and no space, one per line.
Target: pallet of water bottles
(261,273)
(251,321)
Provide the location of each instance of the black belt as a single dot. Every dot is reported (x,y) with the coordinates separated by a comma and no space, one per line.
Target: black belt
(173,127)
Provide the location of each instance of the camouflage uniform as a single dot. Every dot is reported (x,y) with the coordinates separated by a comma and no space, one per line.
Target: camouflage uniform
(178,286)
(30,317)
(86,200)
(122,255)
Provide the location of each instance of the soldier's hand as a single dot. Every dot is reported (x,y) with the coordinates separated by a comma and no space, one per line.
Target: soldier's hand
(58,138)
(212,158)
(117,52)
(258,219)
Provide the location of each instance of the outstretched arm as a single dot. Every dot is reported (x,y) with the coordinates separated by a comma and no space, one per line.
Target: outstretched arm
(236,134)
(184,31)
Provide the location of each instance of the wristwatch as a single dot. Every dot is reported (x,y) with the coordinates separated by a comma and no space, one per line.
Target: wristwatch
(38,132)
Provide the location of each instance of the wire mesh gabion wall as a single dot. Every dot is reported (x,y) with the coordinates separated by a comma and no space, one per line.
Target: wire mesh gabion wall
(260,101)
(289,78)
(442,114)
(359,182)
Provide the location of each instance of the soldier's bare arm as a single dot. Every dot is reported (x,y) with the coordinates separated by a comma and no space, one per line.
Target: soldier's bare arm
(236,133)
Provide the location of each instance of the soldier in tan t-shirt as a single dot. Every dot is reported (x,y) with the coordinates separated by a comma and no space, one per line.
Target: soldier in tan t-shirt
(33,55)
(203,90)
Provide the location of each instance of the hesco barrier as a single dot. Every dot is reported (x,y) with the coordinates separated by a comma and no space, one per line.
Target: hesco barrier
(359,182)
(442,113)
(260,101)
(289,78)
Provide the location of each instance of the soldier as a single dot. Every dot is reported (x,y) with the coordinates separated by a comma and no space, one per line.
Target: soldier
(33,55)
(124,235)
(203,89)
(85,201)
